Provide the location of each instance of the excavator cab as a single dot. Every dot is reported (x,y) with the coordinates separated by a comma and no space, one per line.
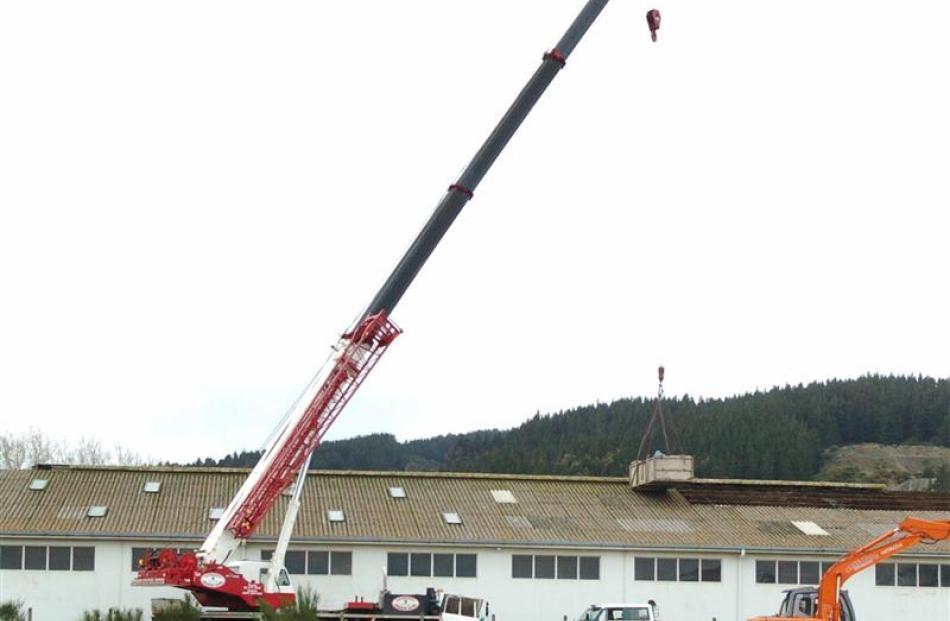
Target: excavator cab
(801,603)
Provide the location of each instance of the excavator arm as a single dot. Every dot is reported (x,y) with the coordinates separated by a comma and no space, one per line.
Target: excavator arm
(911,532)
(908,534)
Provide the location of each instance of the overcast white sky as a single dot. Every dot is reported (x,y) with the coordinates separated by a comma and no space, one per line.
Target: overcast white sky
(197,197)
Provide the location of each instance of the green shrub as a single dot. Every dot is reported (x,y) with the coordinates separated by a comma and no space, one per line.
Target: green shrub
(113,614)
(12,611)
(304,610)
(185,610)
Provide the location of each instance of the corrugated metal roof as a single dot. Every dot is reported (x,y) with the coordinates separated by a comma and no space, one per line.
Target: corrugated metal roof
(556,511)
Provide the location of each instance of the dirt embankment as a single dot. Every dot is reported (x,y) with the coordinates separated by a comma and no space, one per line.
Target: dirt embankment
(877,463)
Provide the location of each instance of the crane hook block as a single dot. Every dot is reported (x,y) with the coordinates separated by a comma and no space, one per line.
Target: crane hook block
(653,21)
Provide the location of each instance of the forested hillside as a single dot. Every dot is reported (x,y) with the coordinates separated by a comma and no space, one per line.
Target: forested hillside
(778,434)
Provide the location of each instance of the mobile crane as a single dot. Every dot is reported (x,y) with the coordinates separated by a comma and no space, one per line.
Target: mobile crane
(217,574)
(828,602)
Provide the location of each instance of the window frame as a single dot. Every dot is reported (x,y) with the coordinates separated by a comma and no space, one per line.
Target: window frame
(588,568)
(11,557)
(714,568)
(87,556)
(644,563)
(460,563)
(341,562)
(546,559)
(402,566)
(667,563)
(766,571)
(59,566)
(566,566)
(318,562)
(518,562)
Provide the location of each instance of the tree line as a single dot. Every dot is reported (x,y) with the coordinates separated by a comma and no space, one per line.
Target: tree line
(23,450)
(775,434)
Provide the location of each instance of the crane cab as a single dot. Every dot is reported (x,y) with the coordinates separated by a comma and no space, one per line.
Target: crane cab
(800,603)
(259,571)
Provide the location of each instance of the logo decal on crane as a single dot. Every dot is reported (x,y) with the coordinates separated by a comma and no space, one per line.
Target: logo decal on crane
(405,603)
(212,580)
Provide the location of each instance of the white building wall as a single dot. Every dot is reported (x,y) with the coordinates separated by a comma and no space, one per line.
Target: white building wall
(64,595)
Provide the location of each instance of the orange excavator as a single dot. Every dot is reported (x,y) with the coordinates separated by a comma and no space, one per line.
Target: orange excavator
(828,602)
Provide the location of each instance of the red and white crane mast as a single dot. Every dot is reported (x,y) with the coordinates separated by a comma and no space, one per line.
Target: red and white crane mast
(216,574)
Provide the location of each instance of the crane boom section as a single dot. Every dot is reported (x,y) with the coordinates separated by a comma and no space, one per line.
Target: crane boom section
(460,192)
(359,352)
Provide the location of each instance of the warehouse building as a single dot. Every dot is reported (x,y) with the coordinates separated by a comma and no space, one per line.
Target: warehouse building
(538,548)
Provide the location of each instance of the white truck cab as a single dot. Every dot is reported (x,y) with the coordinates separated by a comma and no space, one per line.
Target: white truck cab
(645,611)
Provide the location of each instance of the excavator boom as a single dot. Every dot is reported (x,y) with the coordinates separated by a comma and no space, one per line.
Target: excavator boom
(911,532)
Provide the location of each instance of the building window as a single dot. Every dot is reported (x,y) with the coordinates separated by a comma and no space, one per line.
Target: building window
(318,562)
(794,572)
(341,563)
(295,562)
(397,564)
(420,564)
(567,567)
(788,572)
(34,557)
(666,569)
(11,557)
(314,562)
(426,564)
(809,572)
(644,568)
(590,568)
(689,570)
(443,565)
(548,566)
(912,575)
(60,558)
(544,567)
(711,570)
(928,575)
(84,558)
(466,565)
(521,566)
(673,569)
(765,572)
(137,554)
(906,574)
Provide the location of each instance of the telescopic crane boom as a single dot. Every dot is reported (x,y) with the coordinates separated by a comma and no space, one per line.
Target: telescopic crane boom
(215,574)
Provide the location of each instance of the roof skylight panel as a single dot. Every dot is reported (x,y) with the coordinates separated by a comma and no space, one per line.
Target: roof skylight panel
(503,496)
(97,511)
(810,528)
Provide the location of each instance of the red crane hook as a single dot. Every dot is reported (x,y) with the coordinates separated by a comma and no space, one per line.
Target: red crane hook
(653,21)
